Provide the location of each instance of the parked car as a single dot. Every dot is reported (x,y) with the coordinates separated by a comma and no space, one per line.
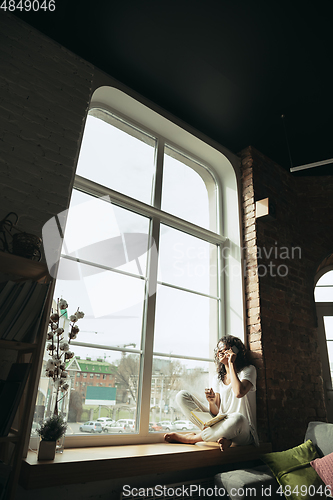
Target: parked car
(129,424)
(91,426)
(154,427)
(114,428)
(34,427)
(104,420)
(166,425)
(183,425)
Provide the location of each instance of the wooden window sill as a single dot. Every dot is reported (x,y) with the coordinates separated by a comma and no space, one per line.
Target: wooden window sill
(77,465)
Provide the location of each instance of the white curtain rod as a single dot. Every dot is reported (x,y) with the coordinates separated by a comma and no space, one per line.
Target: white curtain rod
(311,165)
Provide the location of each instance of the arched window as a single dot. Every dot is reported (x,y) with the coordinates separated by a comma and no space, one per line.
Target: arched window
(324,306)
(143,256)
(324,287)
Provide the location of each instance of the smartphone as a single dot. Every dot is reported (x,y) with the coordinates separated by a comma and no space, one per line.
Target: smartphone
(234,349)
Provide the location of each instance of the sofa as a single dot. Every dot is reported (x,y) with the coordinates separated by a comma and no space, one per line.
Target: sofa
(299,473)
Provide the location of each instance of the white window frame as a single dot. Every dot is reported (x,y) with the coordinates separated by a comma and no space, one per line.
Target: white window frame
(224,168)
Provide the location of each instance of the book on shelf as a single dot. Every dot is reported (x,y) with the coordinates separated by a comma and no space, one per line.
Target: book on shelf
(21,293)
(11,393)
(30,316)
(7,298)
(29,330)
(24,304)
(5,288)
(205,418)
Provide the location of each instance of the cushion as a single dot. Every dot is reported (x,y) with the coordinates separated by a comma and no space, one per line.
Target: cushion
(321,434)
(324,468)
(236,483)
(294,473)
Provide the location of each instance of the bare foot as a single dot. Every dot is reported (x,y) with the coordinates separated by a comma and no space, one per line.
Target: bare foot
(224,443)
(188,438)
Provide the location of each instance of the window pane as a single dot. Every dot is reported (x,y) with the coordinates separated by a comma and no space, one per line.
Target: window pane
(185,190)
(328,323)
(185,323)
(324,293)
(169,377)
(187,261)
(100,232)
(116,386)
(103,271)
(326,279)
(330,356)
(324,288)
(112,303)
(117,156)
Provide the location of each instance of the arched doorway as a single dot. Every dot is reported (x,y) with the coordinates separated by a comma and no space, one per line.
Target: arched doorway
(323,294)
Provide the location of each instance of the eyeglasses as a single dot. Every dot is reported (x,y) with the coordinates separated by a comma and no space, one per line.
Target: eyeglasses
(219,350)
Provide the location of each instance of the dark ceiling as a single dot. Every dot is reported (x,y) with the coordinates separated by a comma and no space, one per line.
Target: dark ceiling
(228,68)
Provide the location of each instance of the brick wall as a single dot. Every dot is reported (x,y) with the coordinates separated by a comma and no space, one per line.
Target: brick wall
(44,96)
(282,257)
(45,91)
(252,295)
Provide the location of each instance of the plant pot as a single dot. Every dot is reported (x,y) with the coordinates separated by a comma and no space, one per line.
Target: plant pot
(27,245)
(47,450)
(60,444)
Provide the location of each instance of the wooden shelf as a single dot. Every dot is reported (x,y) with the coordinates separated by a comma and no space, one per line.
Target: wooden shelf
(18,268)
(21,267)
(11,438)
(17,346)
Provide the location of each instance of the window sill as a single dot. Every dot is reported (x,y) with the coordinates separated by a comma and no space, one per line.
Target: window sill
(77,465)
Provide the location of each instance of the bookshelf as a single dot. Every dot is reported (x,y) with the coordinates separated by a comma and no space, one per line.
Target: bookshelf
(14,447)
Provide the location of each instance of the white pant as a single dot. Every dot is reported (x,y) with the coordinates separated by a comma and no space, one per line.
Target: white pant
(235,427)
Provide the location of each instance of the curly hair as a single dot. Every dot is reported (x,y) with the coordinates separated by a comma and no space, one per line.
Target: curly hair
(242,358)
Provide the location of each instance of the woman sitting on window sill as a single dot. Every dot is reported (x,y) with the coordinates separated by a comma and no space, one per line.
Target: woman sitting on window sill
(232,394)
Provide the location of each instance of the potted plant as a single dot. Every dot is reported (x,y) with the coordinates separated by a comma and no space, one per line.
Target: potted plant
(50,431)
(58,348)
